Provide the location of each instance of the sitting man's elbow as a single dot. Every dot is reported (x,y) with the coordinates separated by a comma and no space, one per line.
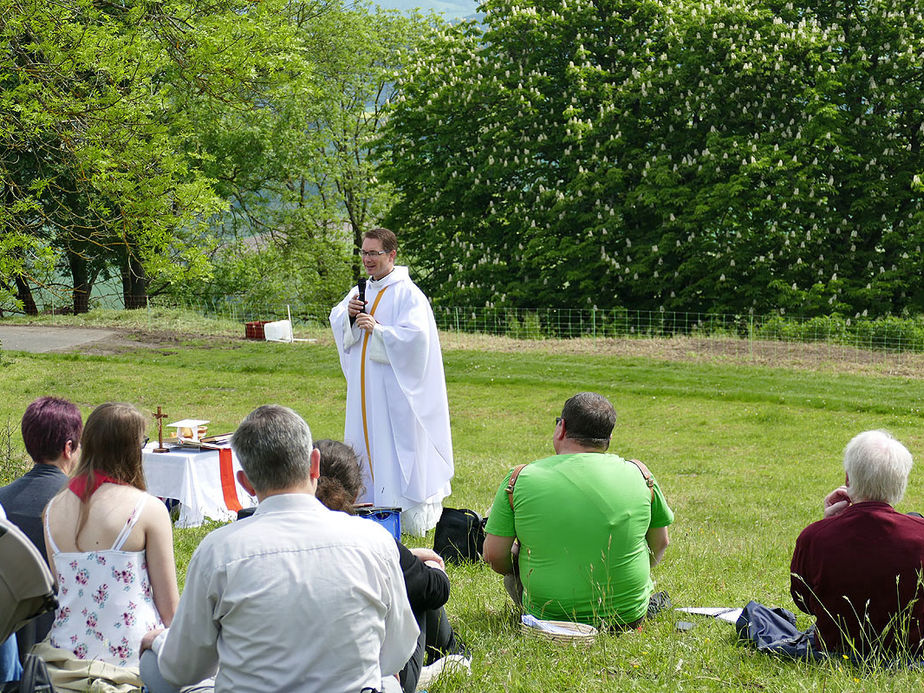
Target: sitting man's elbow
(496,553)
(491,558)
(658,541)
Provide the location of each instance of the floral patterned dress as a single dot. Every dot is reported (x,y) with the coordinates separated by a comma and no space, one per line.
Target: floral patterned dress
(105,601)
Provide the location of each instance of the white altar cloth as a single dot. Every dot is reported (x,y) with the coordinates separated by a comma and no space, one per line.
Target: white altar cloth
(193,478)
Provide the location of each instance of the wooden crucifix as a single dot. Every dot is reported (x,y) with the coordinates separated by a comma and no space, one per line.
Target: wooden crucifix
(160,416)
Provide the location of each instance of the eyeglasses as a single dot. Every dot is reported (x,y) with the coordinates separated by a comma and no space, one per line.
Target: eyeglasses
(558,420)
(144,442)
(372,253)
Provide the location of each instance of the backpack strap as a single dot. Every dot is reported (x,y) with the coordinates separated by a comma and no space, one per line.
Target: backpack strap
(510,484)
(649,482)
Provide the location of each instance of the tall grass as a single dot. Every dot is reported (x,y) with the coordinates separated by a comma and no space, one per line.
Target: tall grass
(13,459)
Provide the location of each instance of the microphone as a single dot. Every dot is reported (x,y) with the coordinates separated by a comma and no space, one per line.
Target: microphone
(361,286)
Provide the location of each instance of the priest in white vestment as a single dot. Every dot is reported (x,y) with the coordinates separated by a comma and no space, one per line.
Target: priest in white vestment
(397,414)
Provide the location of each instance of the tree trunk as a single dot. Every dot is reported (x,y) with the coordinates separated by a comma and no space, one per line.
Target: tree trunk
(81,282)
(134,283)
(24,294)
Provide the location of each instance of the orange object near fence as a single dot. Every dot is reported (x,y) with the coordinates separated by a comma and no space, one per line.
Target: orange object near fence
(254,330)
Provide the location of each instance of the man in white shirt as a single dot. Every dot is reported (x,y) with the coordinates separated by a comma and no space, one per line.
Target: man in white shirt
(295,598)
(397,413)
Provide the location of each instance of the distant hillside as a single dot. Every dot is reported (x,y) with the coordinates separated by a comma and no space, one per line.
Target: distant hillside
(451,9)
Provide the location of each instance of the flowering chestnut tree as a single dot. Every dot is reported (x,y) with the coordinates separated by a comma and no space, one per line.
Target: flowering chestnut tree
(731,156)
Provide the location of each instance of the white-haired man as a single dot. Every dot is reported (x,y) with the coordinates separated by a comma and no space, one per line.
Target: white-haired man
(859,570)
(296,598)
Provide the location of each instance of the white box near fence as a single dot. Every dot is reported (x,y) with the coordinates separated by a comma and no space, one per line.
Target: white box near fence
(279,331)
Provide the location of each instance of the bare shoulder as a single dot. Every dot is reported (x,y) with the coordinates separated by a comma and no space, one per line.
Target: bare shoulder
(116,496)
(155,510)
(118,502)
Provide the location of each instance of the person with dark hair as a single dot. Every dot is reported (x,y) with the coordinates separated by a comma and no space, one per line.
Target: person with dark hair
(424,572)
(51,429)
(295,598)
(576,535)
(397,411)
(110,546)
(341,480)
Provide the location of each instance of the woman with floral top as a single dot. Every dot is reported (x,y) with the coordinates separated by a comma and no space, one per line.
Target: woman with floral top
(110,545)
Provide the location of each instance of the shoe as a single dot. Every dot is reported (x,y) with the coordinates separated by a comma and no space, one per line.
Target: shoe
(453,662)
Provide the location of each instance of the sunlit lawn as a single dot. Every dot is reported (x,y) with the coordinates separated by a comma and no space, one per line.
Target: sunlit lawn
(744,455)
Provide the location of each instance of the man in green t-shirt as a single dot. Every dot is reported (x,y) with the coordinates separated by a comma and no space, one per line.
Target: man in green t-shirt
(579,533)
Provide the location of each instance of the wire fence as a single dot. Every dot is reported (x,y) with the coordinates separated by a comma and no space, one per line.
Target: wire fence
(892,335)
(884,334)
(302,316)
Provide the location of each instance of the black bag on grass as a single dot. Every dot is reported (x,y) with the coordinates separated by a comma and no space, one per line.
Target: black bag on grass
(459,535)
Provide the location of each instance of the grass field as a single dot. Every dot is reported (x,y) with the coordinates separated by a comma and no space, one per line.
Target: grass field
(744,455)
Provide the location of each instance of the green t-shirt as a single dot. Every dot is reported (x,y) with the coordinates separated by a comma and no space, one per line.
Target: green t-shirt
(581,522)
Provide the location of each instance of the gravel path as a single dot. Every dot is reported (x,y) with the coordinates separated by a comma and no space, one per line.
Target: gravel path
(40,339)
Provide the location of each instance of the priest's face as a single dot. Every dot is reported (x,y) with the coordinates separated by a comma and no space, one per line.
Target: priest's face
(377,265)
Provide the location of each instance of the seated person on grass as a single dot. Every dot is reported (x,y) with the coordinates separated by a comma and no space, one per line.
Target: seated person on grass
(578,533)
(51,430)
(859,570)
(296,598)
(340,484)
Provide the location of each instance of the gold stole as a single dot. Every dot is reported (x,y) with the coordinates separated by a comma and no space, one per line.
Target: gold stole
(362,381)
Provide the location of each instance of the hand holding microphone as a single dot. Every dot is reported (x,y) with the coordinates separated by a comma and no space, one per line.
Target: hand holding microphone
(357,304)
(360,317)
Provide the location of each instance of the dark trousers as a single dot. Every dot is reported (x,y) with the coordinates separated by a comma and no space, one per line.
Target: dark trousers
(436,640)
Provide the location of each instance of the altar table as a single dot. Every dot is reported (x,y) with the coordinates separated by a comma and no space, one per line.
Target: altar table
(195,478)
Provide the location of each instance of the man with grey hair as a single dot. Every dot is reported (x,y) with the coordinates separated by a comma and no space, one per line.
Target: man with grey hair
(294,598)
(859,569)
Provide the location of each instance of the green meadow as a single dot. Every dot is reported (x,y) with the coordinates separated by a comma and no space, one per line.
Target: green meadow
(744,454)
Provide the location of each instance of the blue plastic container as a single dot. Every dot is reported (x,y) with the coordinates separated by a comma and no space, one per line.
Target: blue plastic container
(389,518)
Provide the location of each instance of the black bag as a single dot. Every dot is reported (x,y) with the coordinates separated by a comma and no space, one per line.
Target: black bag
(35,678)
(459,535)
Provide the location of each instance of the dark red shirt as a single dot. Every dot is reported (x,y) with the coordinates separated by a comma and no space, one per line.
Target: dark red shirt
(859,573)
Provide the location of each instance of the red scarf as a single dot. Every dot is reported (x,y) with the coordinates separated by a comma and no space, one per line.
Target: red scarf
(78,485)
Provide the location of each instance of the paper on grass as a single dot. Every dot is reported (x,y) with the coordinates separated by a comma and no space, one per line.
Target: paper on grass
(722,613)
(546,626)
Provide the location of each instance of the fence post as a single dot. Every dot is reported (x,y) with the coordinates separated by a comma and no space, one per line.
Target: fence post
(751,337)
